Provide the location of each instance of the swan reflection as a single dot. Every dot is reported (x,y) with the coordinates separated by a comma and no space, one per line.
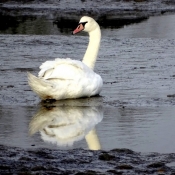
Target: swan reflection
(68,121)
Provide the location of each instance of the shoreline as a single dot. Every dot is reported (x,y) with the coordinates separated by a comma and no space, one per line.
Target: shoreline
(108,14)
(78,161)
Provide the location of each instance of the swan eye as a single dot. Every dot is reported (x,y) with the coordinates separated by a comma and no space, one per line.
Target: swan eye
(83,23)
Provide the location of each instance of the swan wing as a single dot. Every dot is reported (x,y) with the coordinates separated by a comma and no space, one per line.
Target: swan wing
(62,69)
(65,78)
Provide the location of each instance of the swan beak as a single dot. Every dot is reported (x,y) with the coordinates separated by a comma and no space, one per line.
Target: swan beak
(78,29)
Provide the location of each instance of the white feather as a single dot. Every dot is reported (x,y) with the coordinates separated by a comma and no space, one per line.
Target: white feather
(66,78)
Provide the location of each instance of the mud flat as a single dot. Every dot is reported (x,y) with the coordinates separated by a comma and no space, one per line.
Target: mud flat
(81,162)
(65,13)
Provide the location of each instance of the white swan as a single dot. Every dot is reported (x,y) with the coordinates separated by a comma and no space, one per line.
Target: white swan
(66,78)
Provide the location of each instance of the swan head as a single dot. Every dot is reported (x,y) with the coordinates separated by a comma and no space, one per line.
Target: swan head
(86,24)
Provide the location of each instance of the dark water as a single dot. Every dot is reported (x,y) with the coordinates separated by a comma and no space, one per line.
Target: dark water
(34,25)
(137,65)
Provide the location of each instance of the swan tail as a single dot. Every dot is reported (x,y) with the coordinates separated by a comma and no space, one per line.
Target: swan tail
(40,86)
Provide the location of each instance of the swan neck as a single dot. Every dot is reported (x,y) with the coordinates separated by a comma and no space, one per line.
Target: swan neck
(93,47)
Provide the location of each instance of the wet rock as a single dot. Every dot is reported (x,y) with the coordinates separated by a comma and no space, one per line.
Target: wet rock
(171,95)
(86,173)
(161,171)
(4,167)
(38,168)
(124,167)
(106,157)
(126,151)
(10,86)
(24,158)
(156,165)
(115,172)
(25,173)
(139,0)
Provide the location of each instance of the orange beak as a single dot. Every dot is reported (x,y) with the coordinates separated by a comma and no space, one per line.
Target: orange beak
(78,29)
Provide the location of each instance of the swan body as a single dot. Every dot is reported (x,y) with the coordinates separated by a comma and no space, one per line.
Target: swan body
(66,78)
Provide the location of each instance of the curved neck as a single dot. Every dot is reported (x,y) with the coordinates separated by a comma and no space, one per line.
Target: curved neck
(93,47)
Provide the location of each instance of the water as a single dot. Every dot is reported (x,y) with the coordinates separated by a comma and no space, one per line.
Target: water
(137,65)
(145,129)
(159,27)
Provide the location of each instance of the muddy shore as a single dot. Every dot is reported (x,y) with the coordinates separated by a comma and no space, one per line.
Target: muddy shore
(81,162)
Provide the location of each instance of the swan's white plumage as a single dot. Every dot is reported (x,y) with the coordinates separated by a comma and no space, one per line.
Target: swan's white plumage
(66,78)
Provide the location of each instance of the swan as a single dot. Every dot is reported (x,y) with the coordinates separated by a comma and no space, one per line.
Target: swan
(67,78)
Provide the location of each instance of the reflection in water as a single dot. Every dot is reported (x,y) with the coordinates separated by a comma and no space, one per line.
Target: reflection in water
(154,27)
(31,25)
(63,123)
(42,25)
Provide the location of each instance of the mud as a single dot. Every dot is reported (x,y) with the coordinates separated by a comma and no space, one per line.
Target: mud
(78,162)
(125,75)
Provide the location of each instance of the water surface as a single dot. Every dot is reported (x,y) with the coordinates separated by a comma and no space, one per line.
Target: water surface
(137,65)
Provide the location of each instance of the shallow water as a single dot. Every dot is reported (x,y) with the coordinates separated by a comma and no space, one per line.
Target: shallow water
(159,27)
(137,65)
(145,129)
